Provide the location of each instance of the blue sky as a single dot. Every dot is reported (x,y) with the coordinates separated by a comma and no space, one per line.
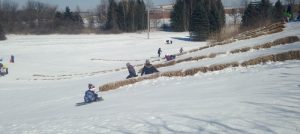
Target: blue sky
(83,4)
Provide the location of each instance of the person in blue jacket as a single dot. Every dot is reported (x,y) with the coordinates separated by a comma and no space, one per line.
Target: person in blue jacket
(90,94)
(131,71)
(148,68)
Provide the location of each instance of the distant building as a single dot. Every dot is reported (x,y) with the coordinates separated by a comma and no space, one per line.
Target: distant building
(160,16)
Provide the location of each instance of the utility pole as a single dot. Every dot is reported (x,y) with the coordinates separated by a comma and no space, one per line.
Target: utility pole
(148,20)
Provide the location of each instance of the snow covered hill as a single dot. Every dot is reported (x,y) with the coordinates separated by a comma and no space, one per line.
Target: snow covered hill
(51,74)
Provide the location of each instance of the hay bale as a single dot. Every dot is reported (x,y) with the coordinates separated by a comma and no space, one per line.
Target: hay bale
(286,40)
(199,57)
(205,47)
(193,71)
(184,60)
(291,55)
(212,55)
(172,74)
(193,50)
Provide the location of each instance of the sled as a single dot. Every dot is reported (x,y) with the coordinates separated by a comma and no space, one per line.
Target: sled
(85,103)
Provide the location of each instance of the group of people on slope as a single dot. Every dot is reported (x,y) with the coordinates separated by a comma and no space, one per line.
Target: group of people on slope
(159,51)
(91,95)
(147,69)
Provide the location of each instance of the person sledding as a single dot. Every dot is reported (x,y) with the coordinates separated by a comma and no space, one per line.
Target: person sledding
(91,95)
(170,57)
(131,71)
(148,68)
(3,70)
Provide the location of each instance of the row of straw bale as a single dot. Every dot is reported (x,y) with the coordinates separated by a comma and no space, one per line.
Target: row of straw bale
(291,55)
(281,41)
(285,40)
(273,28)
(277,27)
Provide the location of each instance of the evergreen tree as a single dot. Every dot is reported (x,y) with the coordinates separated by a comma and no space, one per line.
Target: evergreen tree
(265,9)
(278,12)
(68,14)
(131,15)
(68,22)
(177,23)
(122,15)
(199,24)
(112,19)
(140,15)
(214,18)
(251,15)
(257,13)
(2,34)
(221,13)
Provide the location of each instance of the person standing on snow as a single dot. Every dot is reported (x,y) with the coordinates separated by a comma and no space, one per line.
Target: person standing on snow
(12,59)
(148,68)
(181,50)
(159,52)
(131,71)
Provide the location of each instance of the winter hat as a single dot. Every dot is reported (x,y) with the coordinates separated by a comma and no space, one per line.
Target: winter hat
(127,64)
(147,62)
(90,85)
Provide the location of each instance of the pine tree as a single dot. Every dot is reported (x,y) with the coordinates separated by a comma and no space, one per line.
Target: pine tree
(112,19)
(131,15)
(140,13)
(122,15)
(2,34)
(221,13)
(177,23)
(278,12)
(68,14)
(199,24)
(265,9)
(214,18)
(251,16)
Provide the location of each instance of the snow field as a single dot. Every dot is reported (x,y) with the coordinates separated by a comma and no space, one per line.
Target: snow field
(257,99)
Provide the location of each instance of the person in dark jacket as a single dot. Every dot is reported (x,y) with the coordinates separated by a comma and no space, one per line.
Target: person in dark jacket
(12,59)
(159,52)
(148,68)
(131,71)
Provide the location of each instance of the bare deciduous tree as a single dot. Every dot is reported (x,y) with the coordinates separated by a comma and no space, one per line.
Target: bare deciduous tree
(8,14)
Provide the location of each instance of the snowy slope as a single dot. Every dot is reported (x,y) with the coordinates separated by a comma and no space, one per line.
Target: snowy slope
(256,99)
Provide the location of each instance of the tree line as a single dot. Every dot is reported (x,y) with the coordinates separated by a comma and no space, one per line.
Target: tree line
(263,12)
(200,17)
(37,18)
(126,16)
